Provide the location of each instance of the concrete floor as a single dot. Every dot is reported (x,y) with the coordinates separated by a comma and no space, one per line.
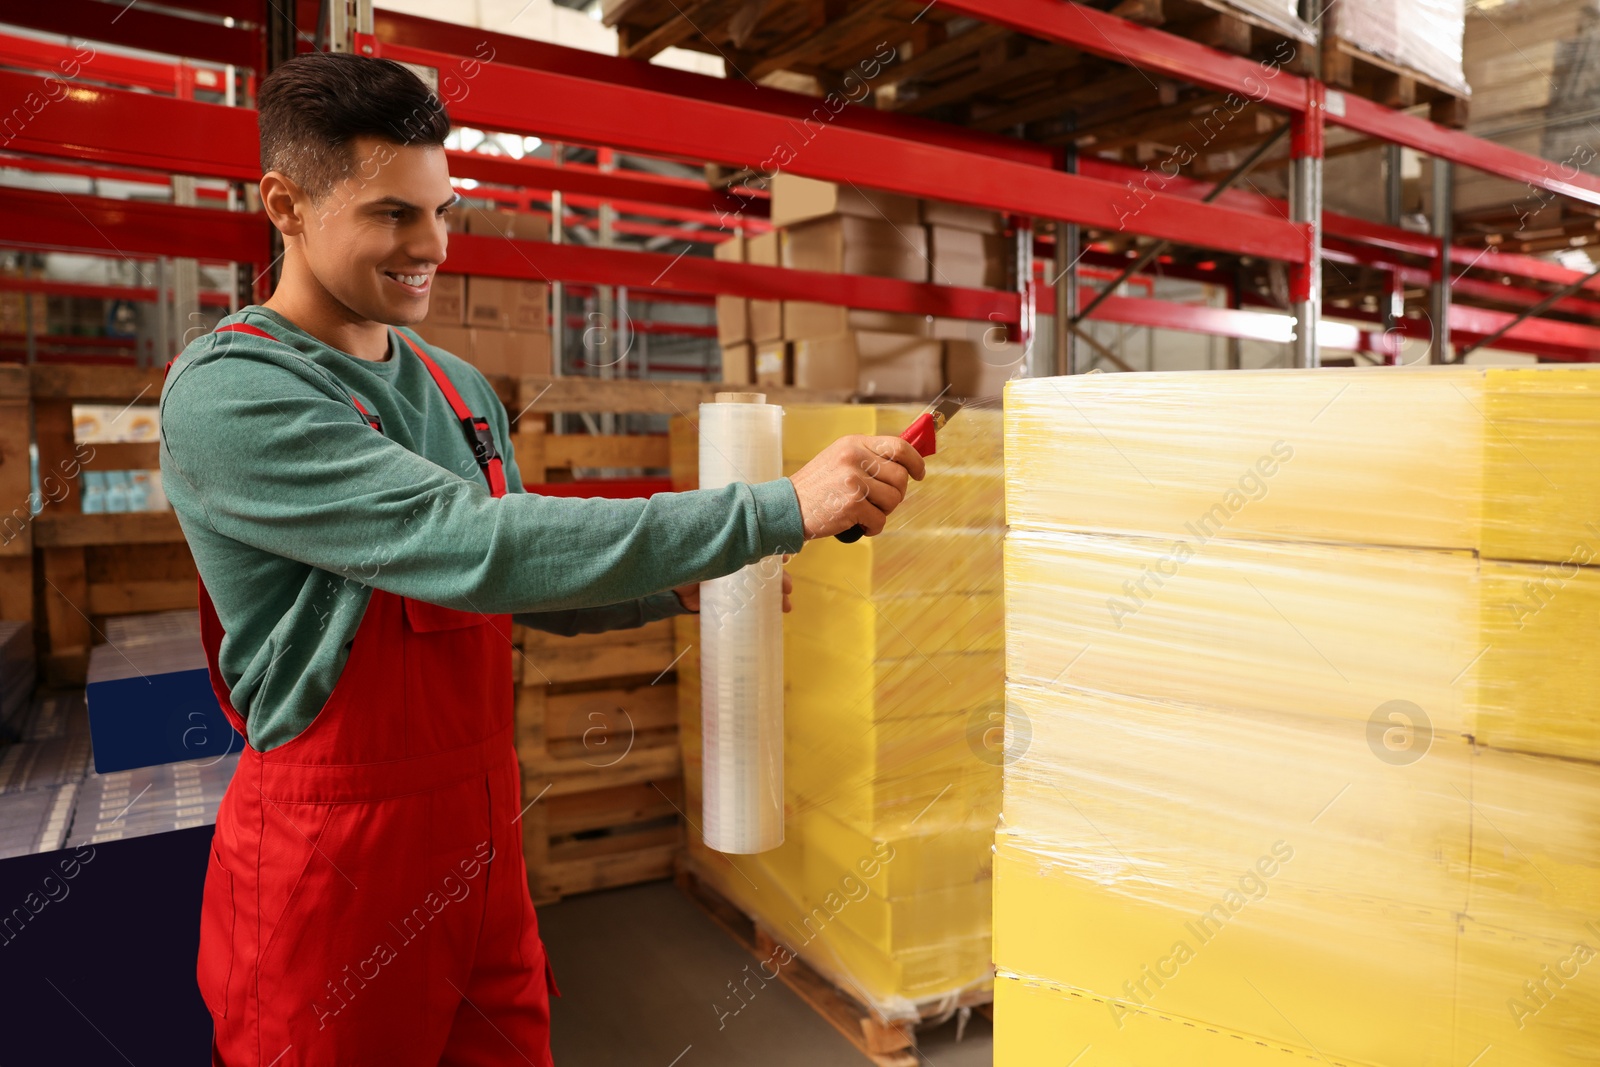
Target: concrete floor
(641,970)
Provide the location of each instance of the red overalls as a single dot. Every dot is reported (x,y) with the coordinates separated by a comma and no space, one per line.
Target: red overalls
(366,900)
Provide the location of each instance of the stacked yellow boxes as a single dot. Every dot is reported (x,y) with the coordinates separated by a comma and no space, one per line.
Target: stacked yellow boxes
(1304,710)
(893,720)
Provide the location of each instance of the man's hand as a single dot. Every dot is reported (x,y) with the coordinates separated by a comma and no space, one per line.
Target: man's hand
(855,480)
(689,595)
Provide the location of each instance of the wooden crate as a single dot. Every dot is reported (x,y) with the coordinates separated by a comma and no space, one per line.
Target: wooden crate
(884,1042)
(602,838)
(92,566)
(597,737)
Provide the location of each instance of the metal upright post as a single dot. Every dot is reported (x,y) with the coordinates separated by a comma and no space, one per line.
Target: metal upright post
(1033,358)
(1393,302)
(607,351)
(1305,204)
(281,41)
(1439,292)
(1068,240)
(346,18)
(558,315)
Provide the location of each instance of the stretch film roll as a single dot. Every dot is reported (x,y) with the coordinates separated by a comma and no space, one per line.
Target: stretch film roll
(741,634)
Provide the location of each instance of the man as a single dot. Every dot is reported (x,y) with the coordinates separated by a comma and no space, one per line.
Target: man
(363,542)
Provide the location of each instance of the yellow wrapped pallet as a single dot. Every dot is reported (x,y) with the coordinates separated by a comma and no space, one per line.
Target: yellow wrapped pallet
(1500,460)
(1464,646)
(1312,763)
(1169,872)
(893,705)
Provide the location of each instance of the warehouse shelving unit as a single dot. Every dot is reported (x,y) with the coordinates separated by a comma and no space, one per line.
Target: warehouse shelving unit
(569,96)
(1077,222)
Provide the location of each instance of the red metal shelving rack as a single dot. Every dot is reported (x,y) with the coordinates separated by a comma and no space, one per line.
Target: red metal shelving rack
(569,96)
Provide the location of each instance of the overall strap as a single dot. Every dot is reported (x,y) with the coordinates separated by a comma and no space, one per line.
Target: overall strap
(480,437)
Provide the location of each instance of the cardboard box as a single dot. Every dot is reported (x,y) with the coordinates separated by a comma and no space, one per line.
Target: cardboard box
(517,353)
(738,363)
(962,217)
(845,244)
(762,249)
(508,304)
(766,316)
(975,330)
(447,300)
(965,257)
(975,368)
(796,199)
(766,320)
(803,319)
(870,364)
(733,320)
(730,251)
(772,363)
(519,225)
(456,340)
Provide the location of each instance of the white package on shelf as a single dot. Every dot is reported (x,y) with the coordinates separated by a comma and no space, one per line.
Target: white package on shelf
(741,627)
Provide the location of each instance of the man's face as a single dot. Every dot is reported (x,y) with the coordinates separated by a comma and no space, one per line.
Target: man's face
(375,240)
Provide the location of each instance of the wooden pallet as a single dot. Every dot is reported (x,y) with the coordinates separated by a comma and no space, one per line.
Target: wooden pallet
(884,1042)
(601,772)
(619,835)
(920,60)
(1347,66)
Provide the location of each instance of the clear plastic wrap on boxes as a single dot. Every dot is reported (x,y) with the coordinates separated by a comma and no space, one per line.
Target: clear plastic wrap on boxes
(1283,791)
(893,707)
(1419,35)
(1500,460)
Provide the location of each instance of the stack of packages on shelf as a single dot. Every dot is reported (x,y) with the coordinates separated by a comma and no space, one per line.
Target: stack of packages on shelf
(820,226)
(1419,36)
(499,325)
(1531,64)
(109,490)
(893,672)
(1304,711)
(40,774)
(15,311)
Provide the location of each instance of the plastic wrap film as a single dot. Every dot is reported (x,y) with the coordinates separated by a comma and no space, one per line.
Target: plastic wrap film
(1499,460)
(1281,15)
(894,710)
(742,649)
(1271,790)
(1423,36)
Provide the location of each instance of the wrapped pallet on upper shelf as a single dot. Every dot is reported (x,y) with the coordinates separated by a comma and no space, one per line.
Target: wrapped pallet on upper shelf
(1381,48)
(1531,65)
(1307,759)
(893,672)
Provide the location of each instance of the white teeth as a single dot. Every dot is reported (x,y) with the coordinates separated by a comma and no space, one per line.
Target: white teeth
(410,279)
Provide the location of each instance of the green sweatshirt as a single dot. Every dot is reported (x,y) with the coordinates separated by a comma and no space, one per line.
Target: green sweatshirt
(295,509)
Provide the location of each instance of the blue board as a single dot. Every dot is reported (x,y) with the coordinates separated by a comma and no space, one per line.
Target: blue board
(143,720)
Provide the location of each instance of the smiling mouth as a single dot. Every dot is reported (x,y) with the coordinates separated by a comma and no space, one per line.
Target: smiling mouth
(412,281)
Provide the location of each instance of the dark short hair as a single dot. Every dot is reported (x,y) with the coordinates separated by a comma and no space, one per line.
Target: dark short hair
(312,108)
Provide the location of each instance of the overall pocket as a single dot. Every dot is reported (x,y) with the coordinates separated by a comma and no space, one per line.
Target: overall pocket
(215,964)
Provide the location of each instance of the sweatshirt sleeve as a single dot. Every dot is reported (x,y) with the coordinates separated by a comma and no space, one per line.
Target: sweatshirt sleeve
(627,616)
(279,463)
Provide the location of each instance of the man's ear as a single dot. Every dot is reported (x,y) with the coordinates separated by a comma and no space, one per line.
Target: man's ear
(284,203)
